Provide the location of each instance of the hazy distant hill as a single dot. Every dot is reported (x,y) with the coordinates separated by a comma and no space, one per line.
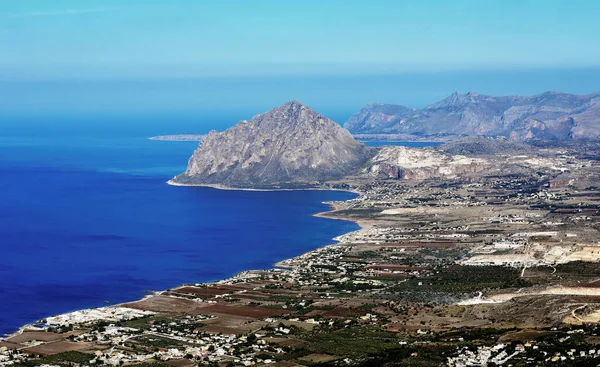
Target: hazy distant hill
(290,144)
(550,115)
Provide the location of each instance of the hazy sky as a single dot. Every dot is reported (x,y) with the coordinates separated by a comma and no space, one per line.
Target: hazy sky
(133,38)
(241,57)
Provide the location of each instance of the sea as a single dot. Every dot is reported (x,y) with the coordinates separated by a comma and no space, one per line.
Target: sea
(87,219)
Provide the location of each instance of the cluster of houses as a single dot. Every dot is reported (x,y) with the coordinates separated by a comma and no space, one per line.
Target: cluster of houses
(10,357)
(113,344)
(527,353)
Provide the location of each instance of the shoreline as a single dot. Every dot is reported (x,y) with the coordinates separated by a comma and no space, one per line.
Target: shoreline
(275,266)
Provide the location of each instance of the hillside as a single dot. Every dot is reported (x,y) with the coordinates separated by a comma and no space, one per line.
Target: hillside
(547,116)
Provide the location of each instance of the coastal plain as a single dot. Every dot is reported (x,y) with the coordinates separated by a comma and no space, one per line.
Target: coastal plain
(492,260)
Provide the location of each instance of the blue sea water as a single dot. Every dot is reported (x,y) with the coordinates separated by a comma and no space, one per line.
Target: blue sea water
(86,219)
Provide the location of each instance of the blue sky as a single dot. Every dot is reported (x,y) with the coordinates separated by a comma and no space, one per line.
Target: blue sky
(241,57)
(44,39)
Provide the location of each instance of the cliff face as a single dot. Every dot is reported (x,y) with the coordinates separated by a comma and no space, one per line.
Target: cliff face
(417,164)
(289,145)
(550,115)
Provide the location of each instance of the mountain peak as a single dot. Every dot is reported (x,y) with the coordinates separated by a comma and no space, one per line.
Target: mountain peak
(453,100)
(289,113)
(553,92)
(291,104)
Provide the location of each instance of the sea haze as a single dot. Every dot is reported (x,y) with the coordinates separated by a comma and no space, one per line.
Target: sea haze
(87,219)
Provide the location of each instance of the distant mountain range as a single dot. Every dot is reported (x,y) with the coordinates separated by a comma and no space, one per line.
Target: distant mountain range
(550,115)
(288,146)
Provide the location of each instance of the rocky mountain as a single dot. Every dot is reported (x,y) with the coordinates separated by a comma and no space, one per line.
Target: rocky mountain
(550,115)
(289,146)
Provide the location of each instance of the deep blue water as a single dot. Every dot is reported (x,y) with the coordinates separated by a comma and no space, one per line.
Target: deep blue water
(87,219)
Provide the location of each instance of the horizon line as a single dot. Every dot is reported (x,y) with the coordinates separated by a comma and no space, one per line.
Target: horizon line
(283,74)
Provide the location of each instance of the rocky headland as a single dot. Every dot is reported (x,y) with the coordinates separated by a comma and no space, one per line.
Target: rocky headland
(286,147)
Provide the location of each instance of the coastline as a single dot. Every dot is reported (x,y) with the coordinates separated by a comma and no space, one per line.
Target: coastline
(229,188)
(178,137)
(276,266)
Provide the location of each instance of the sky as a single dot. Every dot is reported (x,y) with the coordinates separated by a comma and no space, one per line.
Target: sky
(116,38)
(337,55)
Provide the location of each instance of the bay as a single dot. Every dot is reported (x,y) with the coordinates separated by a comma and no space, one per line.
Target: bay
(87,220)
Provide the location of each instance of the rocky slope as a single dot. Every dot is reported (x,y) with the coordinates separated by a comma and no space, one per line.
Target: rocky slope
(550,115)
(289,146)
(482,146)
(397,162)
(470,158)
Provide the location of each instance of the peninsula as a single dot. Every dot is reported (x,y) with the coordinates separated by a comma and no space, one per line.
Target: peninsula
(179,137)
(287,147)
(478,252)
